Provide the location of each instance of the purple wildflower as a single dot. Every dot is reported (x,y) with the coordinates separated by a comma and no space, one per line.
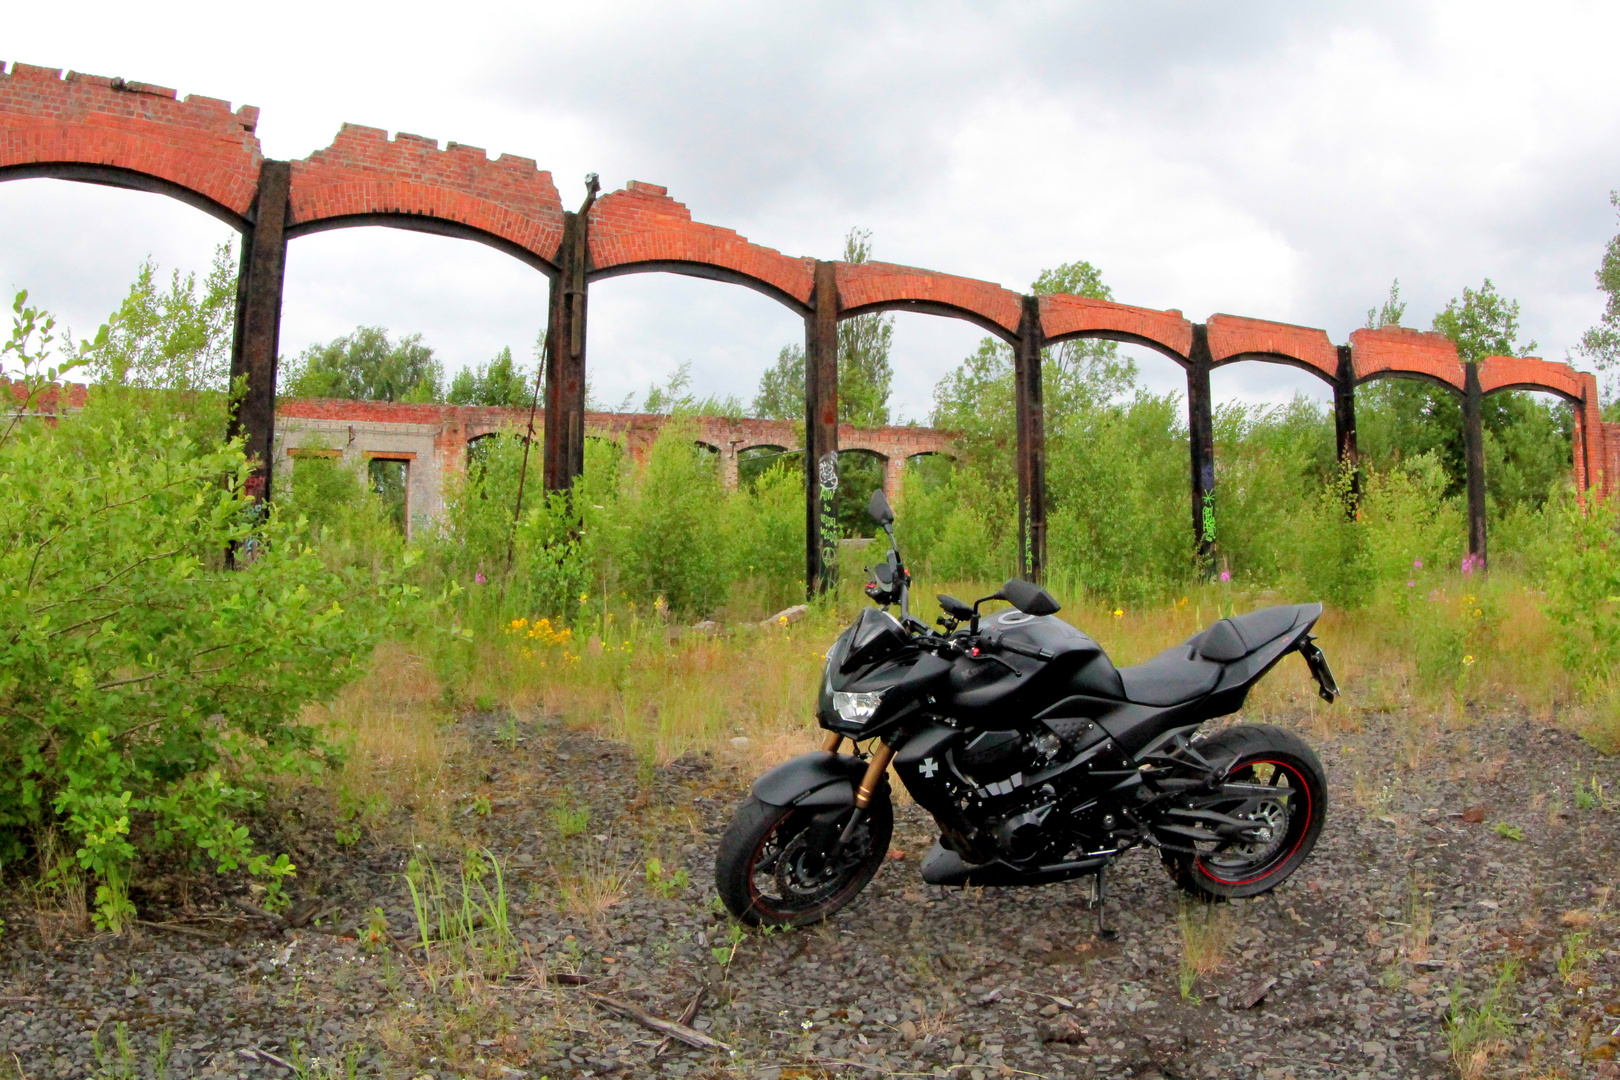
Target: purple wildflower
(479,577)
(1226,575)
(1417,564)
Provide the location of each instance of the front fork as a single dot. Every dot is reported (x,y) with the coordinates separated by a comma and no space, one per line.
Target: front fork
(876,767)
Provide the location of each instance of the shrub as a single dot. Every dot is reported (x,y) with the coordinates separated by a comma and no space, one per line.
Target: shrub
(1583,588)
(147,694)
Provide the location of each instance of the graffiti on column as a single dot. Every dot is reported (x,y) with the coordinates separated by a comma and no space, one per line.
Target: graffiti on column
(827,500)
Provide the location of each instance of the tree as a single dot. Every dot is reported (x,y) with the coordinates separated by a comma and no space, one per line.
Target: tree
(1526,440)
(1601,344)
(178,339)
(366,365)
(1391,313)
(500,382)
(1481,324)
(781,388)
(864,374)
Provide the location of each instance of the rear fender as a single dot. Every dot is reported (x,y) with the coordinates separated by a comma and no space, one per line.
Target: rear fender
(819,778)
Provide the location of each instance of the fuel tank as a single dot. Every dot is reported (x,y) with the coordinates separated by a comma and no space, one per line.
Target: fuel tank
(1001,683)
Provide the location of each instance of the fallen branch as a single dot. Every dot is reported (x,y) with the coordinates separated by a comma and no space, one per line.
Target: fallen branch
(687,1016)
(690,1036)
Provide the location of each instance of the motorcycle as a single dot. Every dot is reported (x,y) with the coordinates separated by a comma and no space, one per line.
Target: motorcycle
(1039,760)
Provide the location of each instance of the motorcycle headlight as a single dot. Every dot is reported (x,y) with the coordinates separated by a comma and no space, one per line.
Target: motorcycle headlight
(856,708)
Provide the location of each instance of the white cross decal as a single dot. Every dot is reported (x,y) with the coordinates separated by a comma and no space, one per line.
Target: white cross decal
(928,768)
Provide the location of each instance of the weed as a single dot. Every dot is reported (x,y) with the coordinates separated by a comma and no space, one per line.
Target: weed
(1508,832)
(1419,919)
(725,953)
(466,920)
(1476,1034)
(1206,932)
(1572,954)
(663,884)
(481,805)
(596,883)
(569,820)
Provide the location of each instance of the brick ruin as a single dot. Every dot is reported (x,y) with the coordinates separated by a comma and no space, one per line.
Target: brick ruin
(137,135)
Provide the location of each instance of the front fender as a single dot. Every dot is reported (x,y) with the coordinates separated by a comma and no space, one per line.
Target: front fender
(819,778)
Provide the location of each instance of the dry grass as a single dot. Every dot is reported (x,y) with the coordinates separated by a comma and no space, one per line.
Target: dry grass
(666,689)
(1207,932)
(398,738)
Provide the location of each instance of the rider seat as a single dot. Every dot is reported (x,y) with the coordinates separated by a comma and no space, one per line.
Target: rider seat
(1190,670)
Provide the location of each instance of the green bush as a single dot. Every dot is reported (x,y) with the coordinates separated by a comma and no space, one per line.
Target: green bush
(1583,588)
(147,693)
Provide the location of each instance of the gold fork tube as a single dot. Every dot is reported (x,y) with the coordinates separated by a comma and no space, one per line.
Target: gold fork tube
(874,774)
(833,742)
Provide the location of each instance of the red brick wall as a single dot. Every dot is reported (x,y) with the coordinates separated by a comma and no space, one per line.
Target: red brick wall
(1232,337)
(198,143)
(1068,316)
(873,285)
(643,224)
(1393,349)
(365,172)
(201,145)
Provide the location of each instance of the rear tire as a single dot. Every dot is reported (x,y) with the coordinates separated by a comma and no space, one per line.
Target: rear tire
(1258,753)
(767,874)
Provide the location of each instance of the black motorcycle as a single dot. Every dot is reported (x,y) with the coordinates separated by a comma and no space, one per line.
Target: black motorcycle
(1037,757)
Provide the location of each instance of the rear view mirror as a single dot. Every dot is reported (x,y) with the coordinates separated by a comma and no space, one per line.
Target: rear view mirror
(879,508)
(1029,598)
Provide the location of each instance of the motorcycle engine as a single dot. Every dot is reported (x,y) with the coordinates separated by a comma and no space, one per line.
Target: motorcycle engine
(1011,812)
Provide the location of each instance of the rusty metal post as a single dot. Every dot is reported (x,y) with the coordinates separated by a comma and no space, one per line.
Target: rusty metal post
(1201,442)
(1344,428)
(1031,419)
(1474,461)
(821,433)
(257,338)
(565,350)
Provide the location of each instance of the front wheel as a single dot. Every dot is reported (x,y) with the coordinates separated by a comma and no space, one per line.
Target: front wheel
(772,868)
(1288,818)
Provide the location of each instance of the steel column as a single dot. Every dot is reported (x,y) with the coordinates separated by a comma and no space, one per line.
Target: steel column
(565,351)
(1344,427)
(1201,444)
(1474,462)
(256,341)
(821,433)
(1031,419)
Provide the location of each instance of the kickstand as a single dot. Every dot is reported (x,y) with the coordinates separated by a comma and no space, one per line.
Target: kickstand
(1103,931)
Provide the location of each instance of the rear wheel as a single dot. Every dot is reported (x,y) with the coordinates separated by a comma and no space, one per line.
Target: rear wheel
(772,868)
(1287,818)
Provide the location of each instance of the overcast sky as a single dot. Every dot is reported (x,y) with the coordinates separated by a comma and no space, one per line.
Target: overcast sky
(1278,160)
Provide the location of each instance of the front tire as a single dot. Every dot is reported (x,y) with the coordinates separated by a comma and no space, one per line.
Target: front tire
(1268,755)
(768,872)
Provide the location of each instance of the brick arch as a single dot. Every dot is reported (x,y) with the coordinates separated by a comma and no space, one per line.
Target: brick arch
(1233,338)
(868,287)
(640,230)
(1396,352)
(407,182)
(1064,317)
(128,134)
(1497,373)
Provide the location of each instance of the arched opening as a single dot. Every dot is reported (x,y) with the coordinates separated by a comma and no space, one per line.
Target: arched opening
(1117,467)
(467,301)
(753,462)
(1276,453)
(643,327)
(77,247)
(860,473)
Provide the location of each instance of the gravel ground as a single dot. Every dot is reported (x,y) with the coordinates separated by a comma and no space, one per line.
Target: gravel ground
(1474,835)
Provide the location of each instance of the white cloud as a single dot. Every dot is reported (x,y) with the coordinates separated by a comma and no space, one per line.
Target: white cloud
(1277,160)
